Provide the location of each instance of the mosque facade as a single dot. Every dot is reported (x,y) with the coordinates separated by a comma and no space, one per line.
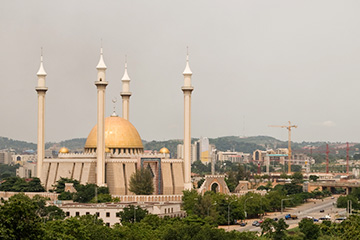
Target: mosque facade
(113,150)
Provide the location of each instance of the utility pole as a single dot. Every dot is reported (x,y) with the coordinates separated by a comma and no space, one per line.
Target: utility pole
(288,127)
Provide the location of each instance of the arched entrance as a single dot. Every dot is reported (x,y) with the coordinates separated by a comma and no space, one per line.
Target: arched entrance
(214,187)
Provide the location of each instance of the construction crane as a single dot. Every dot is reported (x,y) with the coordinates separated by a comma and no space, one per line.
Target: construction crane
(289,143)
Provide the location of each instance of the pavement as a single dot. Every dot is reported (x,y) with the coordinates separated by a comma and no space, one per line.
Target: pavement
(311,208)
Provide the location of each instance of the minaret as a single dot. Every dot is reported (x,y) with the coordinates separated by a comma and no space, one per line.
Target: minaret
(187,89)
(125,94)
(41,91)
(101,84)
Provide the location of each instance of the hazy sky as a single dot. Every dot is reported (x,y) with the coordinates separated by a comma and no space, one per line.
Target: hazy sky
(255,63)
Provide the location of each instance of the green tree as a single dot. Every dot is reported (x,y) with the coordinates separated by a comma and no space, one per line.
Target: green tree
(267,227)
(132,214)
(297,177)
(141,182)
(18,219)
(85,193)
(313,178)
(60,184)
(311,230)
(280,228)
(231,181)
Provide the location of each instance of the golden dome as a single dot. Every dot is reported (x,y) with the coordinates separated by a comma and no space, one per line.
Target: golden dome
(64,150)
(107,150)
(164,150)
(119,133)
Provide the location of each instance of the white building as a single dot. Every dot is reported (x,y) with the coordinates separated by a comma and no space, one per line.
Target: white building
(108,211)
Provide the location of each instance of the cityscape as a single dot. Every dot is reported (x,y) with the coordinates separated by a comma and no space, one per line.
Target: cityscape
(89,150)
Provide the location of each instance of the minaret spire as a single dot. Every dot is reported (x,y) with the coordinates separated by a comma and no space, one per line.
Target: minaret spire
(125,94)
(187,90)
(41,91)
(101,84)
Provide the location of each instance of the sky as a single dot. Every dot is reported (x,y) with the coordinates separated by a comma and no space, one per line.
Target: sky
(255,63)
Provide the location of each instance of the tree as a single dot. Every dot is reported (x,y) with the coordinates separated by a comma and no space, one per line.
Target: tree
(280,228)
(267,227)
(60,184)
(18,219)
(132,214)
(231,181)
(16,184)
(85,193)
(141,182)
(311,230)
(313,178)
(297,177)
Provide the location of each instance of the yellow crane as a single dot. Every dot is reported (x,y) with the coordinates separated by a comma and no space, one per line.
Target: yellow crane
(288,127)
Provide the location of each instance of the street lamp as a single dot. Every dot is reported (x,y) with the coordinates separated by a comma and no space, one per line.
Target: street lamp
(208,210)
(349,208)
(282,200)
(245,213)
(229,211)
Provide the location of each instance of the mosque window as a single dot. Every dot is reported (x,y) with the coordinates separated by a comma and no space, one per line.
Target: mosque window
(107,214)
(97,214)
(67,214)
(108,224)
(77,214)
(87,213)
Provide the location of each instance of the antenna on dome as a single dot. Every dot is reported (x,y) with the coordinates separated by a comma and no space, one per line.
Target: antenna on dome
(114,100)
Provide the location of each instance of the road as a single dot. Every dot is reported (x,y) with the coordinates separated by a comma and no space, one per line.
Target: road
(312,208)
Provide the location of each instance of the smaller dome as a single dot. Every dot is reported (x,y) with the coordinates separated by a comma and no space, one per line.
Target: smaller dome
(64,150)
(107,150)
(164,150)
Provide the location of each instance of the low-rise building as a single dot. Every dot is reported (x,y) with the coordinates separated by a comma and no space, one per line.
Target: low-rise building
(108,212)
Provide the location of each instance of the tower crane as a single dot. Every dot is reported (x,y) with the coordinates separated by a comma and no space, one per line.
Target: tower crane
(288,127)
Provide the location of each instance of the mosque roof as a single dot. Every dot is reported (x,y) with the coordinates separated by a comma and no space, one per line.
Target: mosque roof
(64,150)
(119,133)
(164,150)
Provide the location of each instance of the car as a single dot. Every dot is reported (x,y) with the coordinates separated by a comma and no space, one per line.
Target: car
(332,197)
(243,224)
(316,220)
(290,216)
(322,210)
(260,221)
(275,219)
(256,224)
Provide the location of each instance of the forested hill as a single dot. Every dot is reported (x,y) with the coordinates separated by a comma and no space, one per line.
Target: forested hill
(18,146)
(232,143)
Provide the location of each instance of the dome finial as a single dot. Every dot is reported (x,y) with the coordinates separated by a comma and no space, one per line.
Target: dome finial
(125,76)
(114,100)
(101,64)
(187,70)
(41,71)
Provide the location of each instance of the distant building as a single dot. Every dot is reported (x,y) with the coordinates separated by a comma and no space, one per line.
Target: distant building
(23,158)
(239,157)
(200,150)
(27,170)
(6,156)
(108,211)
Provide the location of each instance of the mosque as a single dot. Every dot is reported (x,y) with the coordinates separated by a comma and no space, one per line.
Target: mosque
(113,150)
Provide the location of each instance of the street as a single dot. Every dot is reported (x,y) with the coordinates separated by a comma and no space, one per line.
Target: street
(311,208)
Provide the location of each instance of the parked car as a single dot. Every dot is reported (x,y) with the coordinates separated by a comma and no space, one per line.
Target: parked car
(256,224)
(316,220)
(322,210)
(275,219)
(243,224)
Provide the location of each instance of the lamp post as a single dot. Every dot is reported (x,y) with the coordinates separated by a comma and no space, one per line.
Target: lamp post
(349,208)
(282,200)
(208,210)
(245,213)
(229,211)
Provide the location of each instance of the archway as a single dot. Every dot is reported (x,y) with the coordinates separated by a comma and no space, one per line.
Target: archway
(215,187)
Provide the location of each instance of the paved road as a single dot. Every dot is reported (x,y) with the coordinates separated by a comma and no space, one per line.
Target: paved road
(312,208)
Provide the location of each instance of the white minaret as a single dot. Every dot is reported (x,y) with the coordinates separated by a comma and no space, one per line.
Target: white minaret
(125,94)
(187,89)
(41,90)
(101,84)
